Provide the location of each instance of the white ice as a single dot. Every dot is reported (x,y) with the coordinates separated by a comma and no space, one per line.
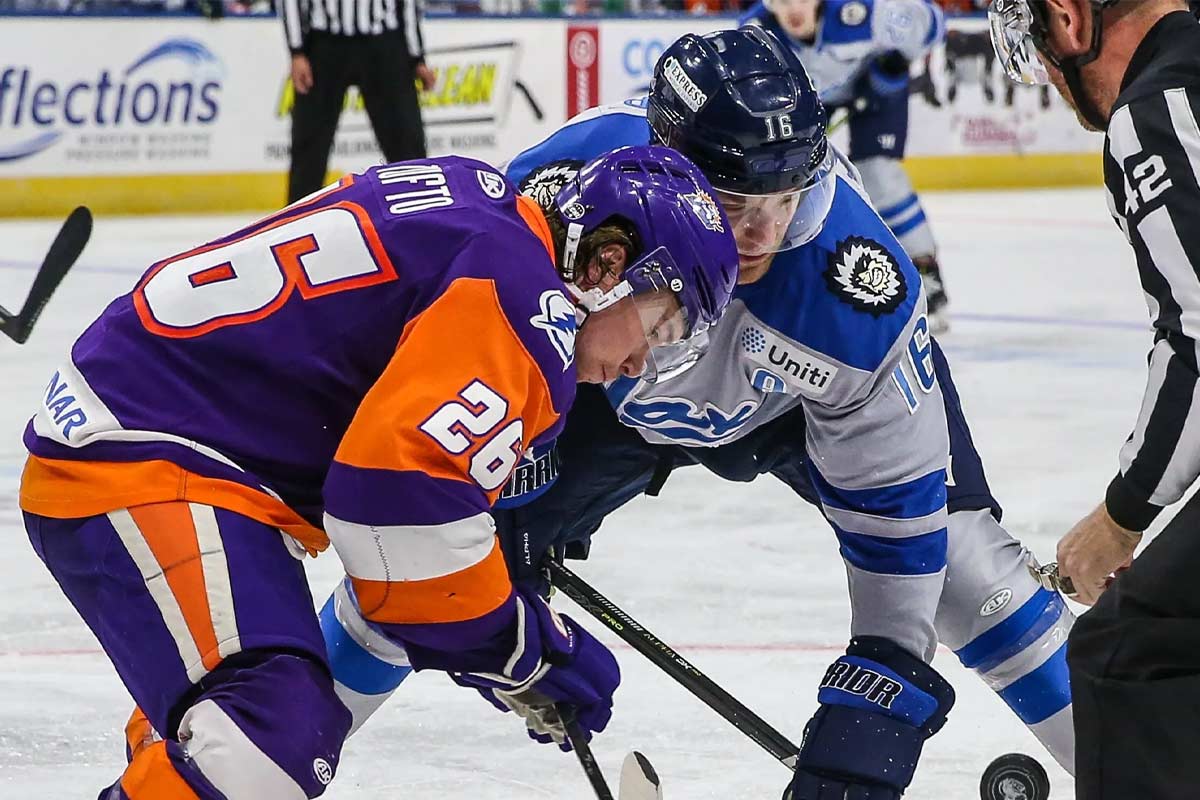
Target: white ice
(1048,345)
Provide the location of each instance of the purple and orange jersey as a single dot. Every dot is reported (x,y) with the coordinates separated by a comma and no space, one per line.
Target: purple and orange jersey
(366,366)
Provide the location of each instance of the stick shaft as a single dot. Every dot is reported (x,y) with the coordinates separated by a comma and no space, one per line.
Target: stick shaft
(583,752)
(675,665)
(63,252)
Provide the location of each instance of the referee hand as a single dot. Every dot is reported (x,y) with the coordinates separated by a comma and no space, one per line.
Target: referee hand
(302,76)
(1092,550)
(426,76)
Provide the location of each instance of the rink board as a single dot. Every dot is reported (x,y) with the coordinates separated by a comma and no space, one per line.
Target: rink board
(185,115)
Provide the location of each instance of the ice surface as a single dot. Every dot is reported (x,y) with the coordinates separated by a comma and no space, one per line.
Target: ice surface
(1048,345)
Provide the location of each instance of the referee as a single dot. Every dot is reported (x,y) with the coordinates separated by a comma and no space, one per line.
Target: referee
(373,44)
(1132,68)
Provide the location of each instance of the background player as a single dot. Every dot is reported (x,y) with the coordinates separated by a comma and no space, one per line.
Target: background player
(857,53)
(925,553)
(360,368)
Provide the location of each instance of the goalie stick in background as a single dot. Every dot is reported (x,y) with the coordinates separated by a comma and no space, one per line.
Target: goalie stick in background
(263,382)
(821,373)
(858,54)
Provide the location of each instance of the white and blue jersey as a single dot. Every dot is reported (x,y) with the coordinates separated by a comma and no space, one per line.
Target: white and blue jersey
(851,34)
(836,327)
(833,336)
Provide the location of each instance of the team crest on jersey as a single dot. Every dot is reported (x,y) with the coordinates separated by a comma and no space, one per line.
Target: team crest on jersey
(685,421)
(706,210)
(558,321)
(864,274)
(491,183)
(544,182)
(853,13)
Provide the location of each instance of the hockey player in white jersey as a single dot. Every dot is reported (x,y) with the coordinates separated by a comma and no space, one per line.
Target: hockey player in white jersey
(858,52)
(822,373)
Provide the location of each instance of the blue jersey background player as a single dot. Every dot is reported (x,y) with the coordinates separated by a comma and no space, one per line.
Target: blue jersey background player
(857,53)
(822,373)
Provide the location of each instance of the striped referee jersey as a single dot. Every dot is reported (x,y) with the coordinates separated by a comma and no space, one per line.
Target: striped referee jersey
(353,18)
(1152,178)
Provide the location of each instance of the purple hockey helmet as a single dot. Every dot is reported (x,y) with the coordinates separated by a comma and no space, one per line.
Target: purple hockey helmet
(684,243)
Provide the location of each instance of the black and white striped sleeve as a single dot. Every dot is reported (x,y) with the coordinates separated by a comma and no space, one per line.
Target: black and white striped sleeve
(293,13)
(414,13)
(1153,169)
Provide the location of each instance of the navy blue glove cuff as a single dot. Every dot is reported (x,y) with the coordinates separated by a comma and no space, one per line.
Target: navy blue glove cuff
(879,703)
(837,737)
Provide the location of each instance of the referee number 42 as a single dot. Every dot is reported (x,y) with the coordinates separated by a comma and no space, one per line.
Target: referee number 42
(1150,177)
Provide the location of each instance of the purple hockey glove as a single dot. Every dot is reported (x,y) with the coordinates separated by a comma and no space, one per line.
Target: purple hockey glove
(554,660)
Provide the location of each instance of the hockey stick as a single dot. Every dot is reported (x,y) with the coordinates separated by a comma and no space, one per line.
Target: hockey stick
(583,752)
(67,246)
(639,781)
(665,658)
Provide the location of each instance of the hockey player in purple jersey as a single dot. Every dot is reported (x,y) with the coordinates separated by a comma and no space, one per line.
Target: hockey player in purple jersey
(364,368)
(823,374)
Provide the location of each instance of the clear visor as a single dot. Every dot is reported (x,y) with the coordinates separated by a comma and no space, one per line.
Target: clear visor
(656,329)
(655,323)
(772,223)
(1011,23)
(664,323)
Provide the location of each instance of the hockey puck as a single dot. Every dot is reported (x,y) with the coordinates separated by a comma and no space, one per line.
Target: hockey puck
(1014,776)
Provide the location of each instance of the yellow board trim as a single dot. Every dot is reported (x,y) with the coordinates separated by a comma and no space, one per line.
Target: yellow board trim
(263,191)
(1041,170)
(143,194)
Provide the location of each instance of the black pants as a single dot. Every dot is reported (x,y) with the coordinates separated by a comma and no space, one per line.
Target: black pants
(1135,675)
(382,69)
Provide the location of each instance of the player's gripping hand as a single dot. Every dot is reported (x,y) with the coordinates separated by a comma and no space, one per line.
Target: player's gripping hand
(879,703)
(554,660)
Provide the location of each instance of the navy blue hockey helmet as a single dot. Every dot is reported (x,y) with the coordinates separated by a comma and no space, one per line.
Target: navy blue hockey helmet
(739,104)
(683,241)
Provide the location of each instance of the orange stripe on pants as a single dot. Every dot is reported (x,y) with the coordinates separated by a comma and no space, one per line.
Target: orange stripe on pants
(139,733)
(152,776)
(171,535)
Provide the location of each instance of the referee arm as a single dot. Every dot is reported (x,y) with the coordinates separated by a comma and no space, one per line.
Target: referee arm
(294,14)
(1154,141)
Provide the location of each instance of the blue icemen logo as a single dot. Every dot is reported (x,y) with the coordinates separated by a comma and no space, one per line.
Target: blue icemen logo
(177,82)
(558,321)
(680,419)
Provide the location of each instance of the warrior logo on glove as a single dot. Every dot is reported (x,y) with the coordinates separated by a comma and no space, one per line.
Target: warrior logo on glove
(855,679)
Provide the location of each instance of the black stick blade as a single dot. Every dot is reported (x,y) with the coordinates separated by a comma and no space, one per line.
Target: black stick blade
(63,252)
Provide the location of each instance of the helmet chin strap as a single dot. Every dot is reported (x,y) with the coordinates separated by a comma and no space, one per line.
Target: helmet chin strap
(1071,69)
(1087,109)
(587,301)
